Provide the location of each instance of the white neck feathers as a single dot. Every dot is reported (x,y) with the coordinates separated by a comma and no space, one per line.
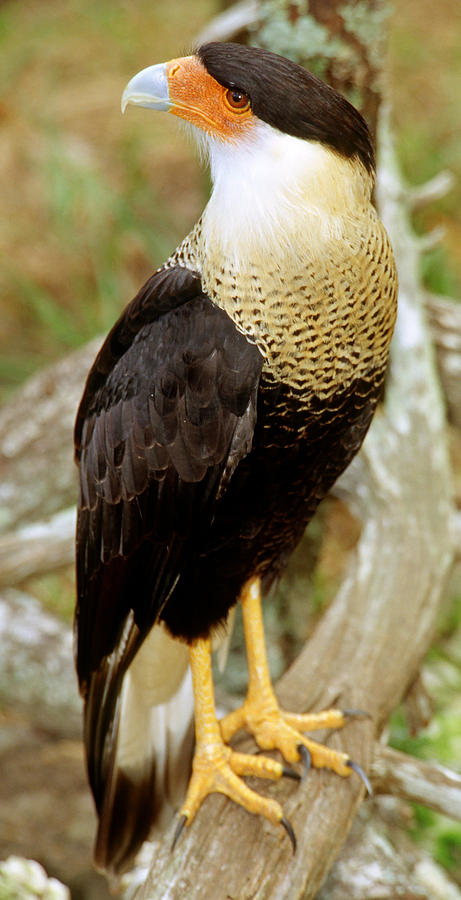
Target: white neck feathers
(275,193)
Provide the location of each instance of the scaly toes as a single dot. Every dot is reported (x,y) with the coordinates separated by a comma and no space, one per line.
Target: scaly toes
(320,756)
(259,766)
(281,731)
(220,773)
(327,718)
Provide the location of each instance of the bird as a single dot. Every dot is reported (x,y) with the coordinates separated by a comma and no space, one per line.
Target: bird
(226,400)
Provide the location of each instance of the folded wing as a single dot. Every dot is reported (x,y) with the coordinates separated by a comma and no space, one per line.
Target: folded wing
(168,411)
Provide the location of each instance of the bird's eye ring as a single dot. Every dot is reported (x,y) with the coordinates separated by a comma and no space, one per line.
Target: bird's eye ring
(236,100)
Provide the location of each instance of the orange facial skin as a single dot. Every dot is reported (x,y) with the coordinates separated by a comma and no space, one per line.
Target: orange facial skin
(199,99)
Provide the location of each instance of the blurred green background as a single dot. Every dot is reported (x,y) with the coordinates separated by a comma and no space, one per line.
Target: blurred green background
(92,202)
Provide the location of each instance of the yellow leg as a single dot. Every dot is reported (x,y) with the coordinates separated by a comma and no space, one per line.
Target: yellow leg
(260,714)
(215,766)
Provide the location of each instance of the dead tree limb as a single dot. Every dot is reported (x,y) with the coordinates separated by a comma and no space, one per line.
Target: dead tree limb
(38,548)
(445,324)
(379,860)
(414,780)
(38,478)
(36,667)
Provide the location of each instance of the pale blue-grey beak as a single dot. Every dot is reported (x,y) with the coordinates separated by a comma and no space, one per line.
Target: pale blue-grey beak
(148,88)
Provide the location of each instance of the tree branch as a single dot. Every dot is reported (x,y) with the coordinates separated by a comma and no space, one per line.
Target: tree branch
(445,323)
(414,780)
(36,668)
(36,447)
(379,860)
(228,24)
(37,549)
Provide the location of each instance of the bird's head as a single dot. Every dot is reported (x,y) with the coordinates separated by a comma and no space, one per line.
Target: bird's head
(227,90)
(270,127)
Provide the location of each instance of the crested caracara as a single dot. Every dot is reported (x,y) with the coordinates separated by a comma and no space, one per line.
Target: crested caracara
(226,400)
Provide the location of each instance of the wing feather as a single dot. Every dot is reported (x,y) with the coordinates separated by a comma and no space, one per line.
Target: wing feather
(168,411)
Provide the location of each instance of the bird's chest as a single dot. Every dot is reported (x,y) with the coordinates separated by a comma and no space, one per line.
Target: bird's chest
(318,327)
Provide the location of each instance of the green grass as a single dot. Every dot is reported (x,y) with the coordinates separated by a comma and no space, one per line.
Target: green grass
(441,836)
(425,56)
(91,202)
(56,592)
(93,233)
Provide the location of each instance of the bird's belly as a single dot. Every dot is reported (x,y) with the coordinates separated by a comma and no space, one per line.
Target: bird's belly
(302,444)
(298,453)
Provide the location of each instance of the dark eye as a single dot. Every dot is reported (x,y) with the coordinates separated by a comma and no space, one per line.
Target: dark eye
(237,100)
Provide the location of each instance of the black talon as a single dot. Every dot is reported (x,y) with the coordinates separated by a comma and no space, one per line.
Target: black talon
(359,771)
(179,830)
(306,759)
(355,713)
(289,830)
(290,773)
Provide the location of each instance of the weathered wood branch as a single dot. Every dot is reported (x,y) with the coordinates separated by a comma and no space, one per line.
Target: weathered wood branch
(445,323)
(420,195)
(379,860)
(36,668)
(38,478)
(36,665)
(38,548)
(226,26)
(414,780)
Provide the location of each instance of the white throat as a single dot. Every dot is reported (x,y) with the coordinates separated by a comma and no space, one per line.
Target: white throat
(274,192)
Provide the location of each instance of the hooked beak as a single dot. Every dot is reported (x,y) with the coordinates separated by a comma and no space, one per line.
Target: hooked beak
(185,88)
(149,88)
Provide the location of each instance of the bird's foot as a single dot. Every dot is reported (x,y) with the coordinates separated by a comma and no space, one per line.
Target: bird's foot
(260,714)
(217,768)
(275,729)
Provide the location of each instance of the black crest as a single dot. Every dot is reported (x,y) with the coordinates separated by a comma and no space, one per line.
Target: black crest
(290,98)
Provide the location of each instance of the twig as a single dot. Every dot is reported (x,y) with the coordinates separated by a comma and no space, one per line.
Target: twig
(423,194)
(227,25)
(38,548)
(412,779)
(36,669)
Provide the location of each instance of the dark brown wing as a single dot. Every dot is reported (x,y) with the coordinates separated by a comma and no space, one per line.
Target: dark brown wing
(168,410)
